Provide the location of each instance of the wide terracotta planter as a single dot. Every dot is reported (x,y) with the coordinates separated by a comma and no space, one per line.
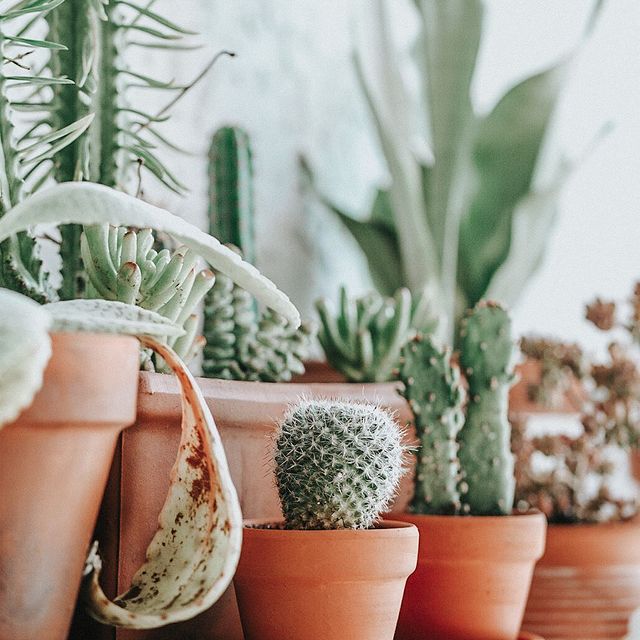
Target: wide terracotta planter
(324,585)
(54,464)
(246,414)
(473,576)
(587,584)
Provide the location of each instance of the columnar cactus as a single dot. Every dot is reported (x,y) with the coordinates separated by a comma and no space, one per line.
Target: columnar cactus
(487,358)
(364,339)
(464,462)
(433,389)
(123,265)
(338,464)
(244,342)
(231,212)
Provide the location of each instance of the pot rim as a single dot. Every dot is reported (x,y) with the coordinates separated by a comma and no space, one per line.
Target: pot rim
(384,526)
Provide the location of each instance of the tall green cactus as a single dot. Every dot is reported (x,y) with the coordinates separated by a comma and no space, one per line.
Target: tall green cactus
(464,461)
(231,208)
(433,389)
(338,464)
(364,338)
(487,357)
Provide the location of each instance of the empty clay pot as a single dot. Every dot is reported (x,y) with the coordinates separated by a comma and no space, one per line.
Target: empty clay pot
(54,463)
(324,585)
(473,576)
(587,584)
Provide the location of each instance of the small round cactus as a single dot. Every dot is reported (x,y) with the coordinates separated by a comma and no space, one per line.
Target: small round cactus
(338,464)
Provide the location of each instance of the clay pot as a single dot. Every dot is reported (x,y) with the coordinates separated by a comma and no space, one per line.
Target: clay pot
(54,463)
(246,414)
(635,463)
(587,584)
(473,576)
(324,585)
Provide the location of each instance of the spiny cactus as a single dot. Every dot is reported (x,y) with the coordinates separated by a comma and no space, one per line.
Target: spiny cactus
(247,343)
(231,212)
(123,265)
(487,358)
(433,389)
(364,339)
(338,464)
(464,462)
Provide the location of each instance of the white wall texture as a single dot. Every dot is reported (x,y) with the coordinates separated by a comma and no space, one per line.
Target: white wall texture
(292,87)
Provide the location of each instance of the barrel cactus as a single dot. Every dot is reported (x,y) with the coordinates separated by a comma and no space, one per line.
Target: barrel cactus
(338,464)
(464,461)
(364,338)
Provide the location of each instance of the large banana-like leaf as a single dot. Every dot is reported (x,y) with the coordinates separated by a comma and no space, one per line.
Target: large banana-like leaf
(88,204)
(25,349)
(506,154)
(193,555)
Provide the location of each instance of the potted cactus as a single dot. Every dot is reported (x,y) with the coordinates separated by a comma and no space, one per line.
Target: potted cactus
(476,556)
(577,481)
(332,569)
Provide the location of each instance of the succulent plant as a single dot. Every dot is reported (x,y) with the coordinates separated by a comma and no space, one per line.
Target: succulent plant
(434,391)
(464,463)
(338,464)
(468,210)
(487,358)
(244,342)
(123,265)
(364,338)
(231,210)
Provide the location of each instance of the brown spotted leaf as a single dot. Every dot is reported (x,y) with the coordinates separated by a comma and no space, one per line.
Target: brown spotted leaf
(193,555)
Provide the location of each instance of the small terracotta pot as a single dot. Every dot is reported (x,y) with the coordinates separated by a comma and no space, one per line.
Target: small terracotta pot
(587,584)
(54,463)
(473,576)
(635,463)
(324,585)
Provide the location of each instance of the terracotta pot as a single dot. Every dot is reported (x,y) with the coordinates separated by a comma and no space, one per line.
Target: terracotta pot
(587,584)
(473,576)
(635,463)
(246,414)
(54,463)
(324,585)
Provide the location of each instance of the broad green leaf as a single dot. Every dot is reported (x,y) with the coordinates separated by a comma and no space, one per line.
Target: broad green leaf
(91,204)
(193,555)
(109,316)
(505,155)
(25,349)
(533,217)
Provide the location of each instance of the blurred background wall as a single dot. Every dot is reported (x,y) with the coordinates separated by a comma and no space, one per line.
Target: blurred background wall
(293,88)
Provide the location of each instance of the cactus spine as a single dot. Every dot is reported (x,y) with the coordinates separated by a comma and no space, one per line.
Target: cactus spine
(483,467)
(338,464)
(364,338)
(487,357)
(433,388)
(231,209)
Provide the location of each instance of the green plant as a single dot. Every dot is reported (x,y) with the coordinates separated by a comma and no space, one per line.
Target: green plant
(364,338)
(338,464)
(464,462)
(471,202)
(244,342)
(231,210)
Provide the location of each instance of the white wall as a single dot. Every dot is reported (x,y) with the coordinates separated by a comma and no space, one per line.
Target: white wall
(292,87)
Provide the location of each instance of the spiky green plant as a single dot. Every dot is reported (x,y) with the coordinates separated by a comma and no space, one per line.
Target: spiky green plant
(123,265)
(243,342)
(29,136)
(434,391)
(471,201)
(464,461)
(487,358)
(364,338)
(231,209)
(338,464)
